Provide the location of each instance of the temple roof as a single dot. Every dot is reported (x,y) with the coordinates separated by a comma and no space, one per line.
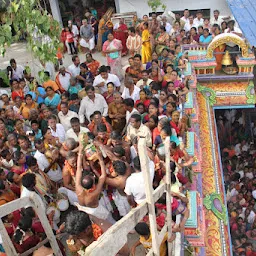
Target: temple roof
(244,12)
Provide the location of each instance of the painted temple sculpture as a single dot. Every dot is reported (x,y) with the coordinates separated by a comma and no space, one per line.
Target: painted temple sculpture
(219,79)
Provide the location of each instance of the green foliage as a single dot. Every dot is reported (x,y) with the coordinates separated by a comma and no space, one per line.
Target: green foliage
(155,4)
(5,78)
(27,16)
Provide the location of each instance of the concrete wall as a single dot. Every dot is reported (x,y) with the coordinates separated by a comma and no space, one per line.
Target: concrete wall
(142,8)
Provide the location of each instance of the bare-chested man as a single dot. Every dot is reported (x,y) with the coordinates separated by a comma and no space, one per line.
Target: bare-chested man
(88,192)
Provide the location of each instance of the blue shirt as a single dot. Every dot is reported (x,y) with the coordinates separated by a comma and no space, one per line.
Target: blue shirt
(206,40)
(54,102)
(41,92)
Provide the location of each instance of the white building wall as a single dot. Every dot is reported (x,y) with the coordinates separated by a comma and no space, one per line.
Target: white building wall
(141,6)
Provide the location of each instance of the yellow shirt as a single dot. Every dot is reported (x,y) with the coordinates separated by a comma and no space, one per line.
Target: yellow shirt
(147,244)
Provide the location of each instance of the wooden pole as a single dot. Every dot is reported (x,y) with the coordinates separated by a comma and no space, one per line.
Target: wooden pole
(168,192)
(144,163)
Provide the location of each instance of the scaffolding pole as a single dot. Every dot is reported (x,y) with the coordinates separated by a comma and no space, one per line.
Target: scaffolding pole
(144,162)
(168,192)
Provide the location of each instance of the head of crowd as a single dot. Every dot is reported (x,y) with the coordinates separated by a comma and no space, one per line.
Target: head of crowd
(72,140)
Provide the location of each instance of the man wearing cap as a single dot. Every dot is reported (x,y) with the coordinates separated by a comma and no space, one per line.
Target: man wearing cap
(62,79)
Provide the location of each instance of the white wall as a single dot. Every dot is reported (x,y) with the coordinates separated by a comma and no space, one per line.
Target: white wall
(142,8)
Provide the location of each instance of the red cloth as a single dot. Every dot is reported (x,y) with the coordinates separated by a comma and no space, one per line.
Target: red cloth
(69,36)
(177,155)
(30,242)
(145,103)
(182,179)
(15,189)
(175,127)
(155,133)
(122,36)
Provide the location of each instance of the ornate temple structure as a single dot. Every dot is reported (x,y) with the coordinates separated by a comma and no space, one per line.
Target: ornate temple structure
(217,83)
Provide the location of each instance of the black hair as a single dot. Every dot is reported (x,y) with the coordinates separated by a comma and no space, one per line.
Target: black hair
(101,128)
(172,166)
(73,96)
(74,58)
(74,120)
(77,222)
(162,28)
(173,178)
(132,29)
(156,101)
(173,145)
(28,180)
(16,156)
(4,153)
(155,118)
(137,56)
(29,211)
(28,96)
(31,161)
(136,163)
(167,129)
(89,87)
(83,65)
(119,167)
(173,96)
(97,113)
(119,150)
(64,103)
(142,229)
(102,69)
(24,225)
(155,86)
(2,186)
(34,122)
(12,61)
(9,176)
(137,117)
(87,182)
(115,135)
(129,102)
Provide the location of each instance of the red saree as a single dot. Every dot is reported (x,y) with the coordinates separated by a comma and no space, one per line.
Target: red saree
(122,35)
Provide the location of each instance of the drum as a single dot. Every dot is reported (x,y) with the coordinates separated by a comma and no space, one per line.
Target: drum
(62,204)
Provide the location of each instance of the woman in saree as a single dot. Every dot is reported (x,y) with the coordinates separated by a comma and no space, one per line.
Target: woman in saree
(112,48)
(146,46)
(121,33)
(161,40)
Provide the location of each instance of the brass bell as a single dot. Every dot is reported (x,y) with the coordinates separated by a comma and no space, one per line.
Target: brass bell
(226,60)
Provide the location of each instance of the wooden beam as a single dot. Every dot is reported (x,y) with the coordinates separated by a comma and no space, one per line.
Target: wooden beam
(28,252)
(14,205)
(144,163)
(7,242)
(168,192)
(46,225)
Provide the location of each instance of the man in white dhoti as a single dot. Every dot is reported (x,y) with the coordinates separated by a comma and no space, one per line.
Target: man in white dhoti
(87,36)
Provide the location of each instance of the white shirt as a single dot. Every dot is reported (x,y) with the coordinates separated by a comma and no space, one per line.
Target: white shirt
(59,133)
(135,94)
(74,70)
(75,30)
(141,82)
(129,114)
(186,20)
(64,80)
(65,119)
(198,22)
(168,27)
(142,131)
(214,21)
(188,26)
(111,78)
(71,134)
(43,163)
(237,30)
(88,107)
(18,72)
(135,184)
(27,193)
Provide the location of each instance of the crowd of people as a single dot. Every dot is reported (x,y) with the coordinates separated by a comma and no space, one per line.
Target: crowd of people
(238,160)
(72,140)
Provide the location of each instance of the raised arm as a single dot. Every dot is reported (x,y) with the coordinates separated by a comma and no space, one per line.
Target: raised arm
(79,170)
